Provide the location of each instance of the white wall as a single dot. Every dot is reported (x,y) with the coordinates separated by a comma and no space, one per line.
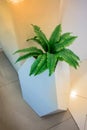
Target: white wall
(8,41)
(44,13)
(75,20)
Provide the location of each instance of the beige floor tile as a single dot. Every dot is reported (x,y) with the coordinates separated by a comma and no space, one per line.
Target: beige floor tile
(2,127)
(7,74)
(17,115)
(3,59)
(66,125)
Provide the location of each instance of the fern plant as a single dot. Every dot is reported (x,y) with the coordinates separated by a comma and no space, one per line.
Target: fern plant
(53,50)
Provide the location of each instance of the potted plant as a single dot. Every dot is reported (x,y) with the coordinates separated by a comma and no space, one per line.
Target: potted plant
(47,93)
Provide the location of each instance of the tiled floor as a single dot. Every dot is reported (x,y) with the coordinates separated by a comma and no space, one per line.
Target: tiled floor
(15,114)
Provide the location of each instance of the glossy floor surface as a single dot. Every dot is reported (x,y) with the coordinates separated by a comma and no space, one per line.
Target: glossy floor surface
(15,114)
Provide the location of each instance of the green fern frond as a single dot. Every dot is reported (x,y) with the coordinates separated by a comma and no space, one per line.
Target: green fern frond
(64,37)
(55,36)
(41,37)
(30,50)
(26,56)
(69,58)
(51,62)
(38,64)
(67,42)
(71,54)
(35,39)
(42,65)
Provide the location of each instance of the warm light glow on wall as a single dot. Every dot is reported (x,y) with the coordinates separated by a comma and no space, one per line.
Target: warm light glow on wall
(14,1)
(73,94)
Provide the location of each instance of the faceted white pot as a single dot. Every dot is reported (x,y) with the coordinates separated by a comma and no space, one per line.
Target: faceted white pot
(45,94)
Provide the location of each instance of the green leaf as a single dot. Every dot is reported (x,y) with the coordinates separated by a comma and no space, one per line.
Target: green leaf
(23,57)
(30,50)
(40,36)
(71,54)
(38,64)
(64,37)
(35,39)
(55,36)
(42,65)
(51,62)
(67,42)
(69,57)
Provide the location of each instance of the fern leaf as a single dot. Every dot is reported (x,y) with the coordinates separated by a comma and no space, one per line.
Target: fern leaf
(64,37)
(69,58)
(67,42)
(41,37)
(51,62)
(30,50)
(35,39)
(55,36)
(38,64)
(42,65)
(26,56)
(71,54)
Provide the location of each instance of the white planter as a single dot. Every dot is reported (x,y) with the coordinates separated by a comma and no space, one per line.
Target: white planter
(45,94)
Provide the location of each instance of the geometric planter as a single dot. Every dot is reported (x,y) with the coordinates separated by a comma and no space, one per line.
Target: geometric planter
(43,93)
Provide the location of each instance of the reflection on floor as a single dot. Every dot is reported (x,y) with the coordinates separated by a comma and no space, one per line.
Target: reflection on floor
(15,114)
(78,103)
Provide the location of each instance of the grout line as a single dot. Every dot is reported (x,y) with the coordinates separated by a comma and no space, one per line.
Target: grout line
(59,123)
(74,120)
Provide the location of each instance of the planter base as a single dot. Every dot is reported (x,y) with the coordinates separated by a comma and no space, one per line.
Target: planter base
(45,95)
